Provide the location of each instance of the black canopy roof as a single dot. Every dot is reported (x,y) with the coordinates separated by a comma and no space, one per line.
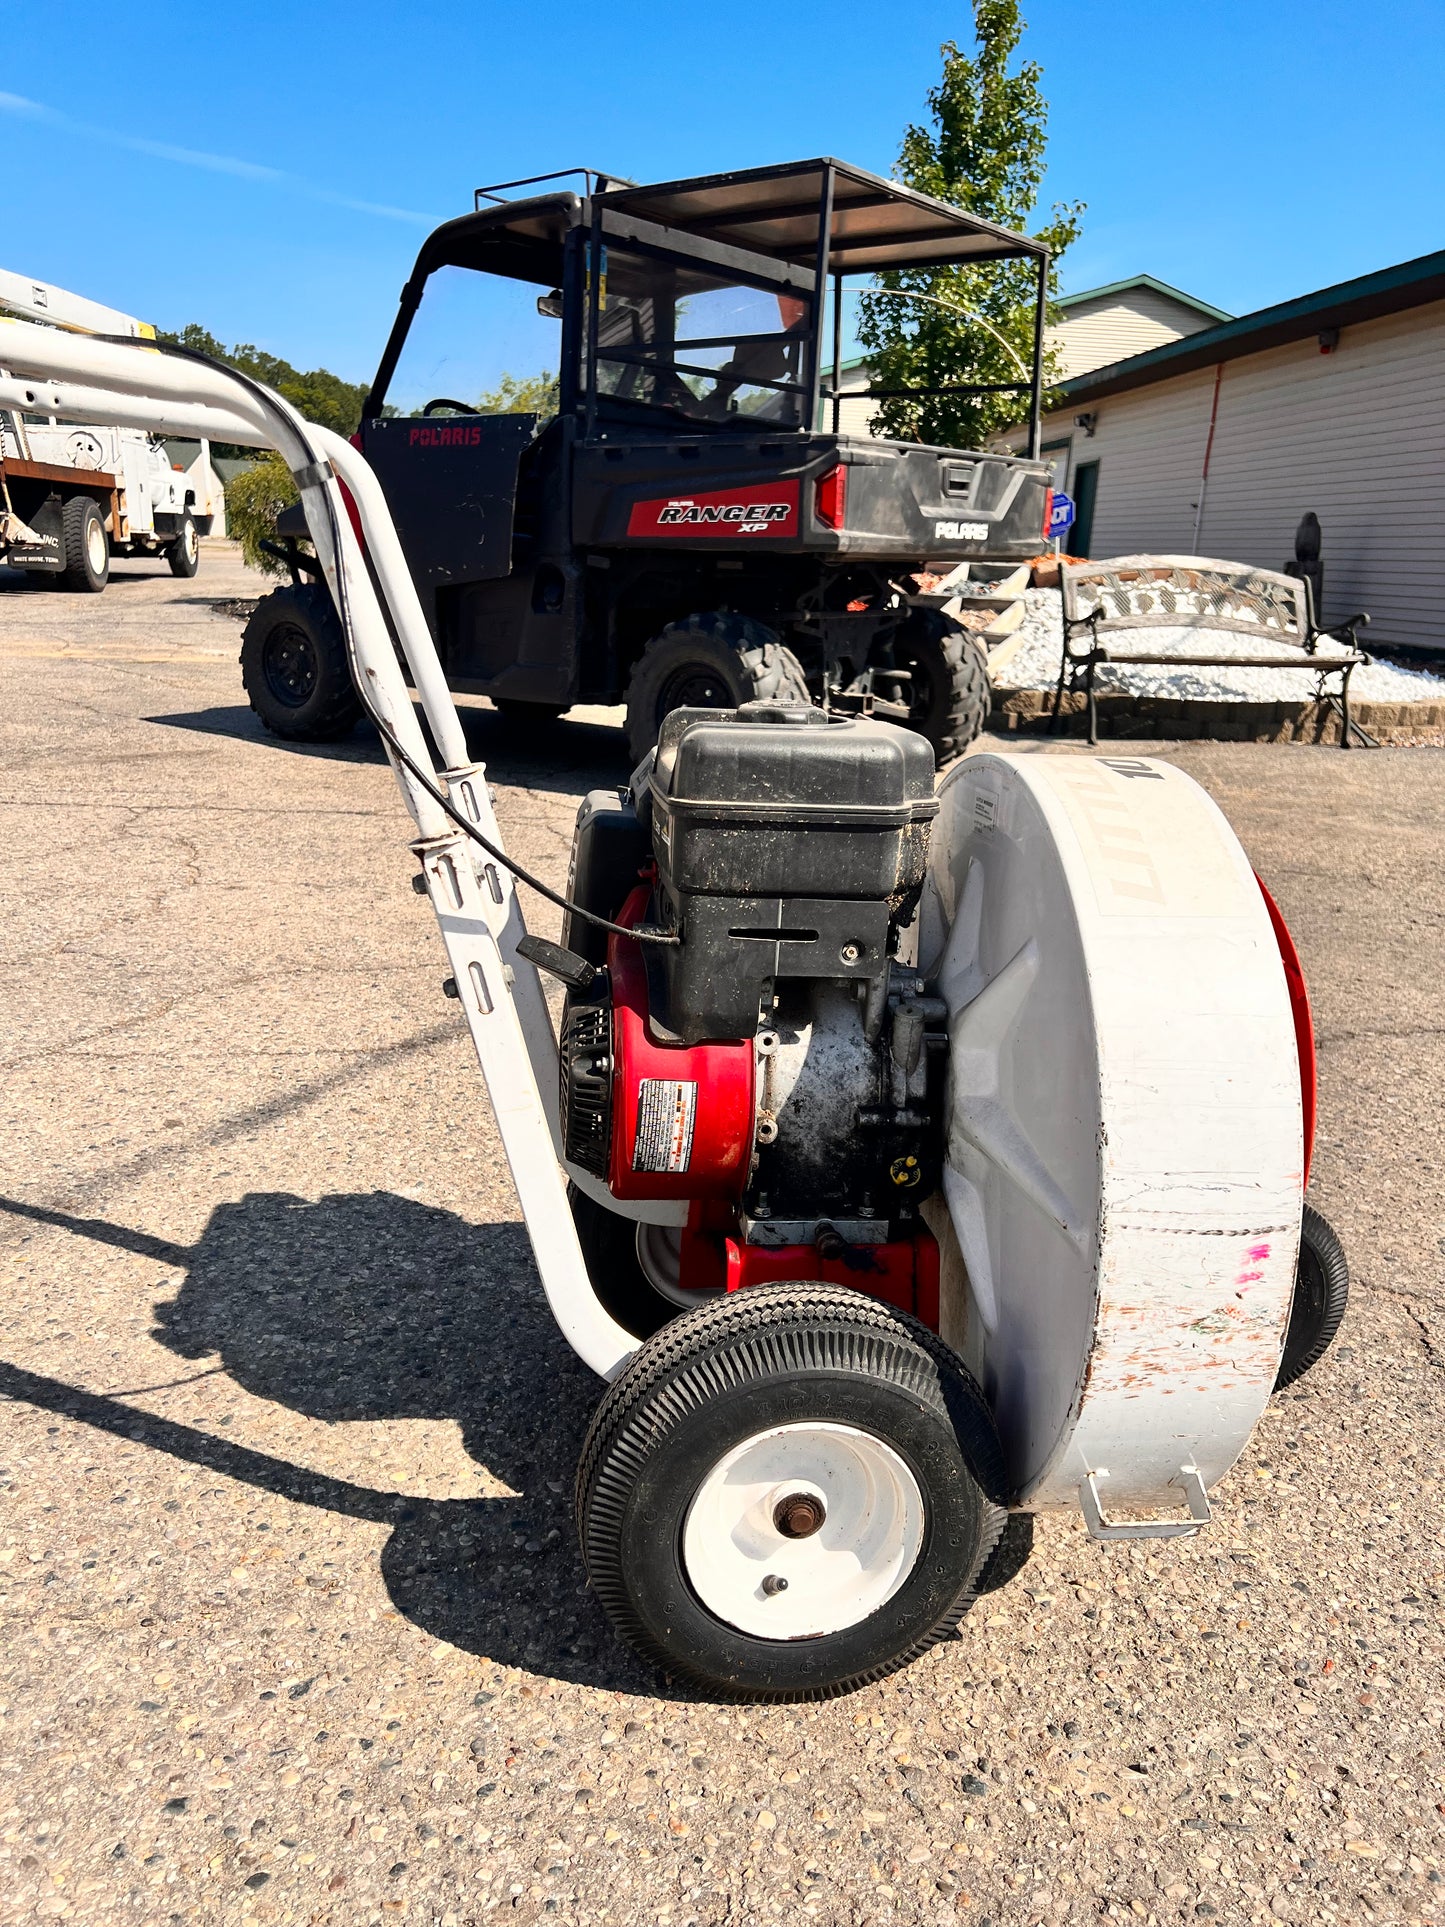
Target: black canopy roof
(771,211)
(876,224)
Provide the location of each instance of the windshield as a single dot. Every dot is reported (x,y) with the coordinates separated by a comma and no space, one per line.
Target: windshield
(675,336)
(479,342)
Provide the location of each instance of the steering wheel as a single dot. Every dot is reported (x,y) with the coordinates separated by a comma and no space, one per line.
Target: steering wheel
(445,401)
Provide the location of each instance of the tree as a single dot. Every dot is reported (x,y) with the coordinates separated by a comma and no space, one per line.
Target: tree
(985,152)
(521,395)
(319,395)
(256,496)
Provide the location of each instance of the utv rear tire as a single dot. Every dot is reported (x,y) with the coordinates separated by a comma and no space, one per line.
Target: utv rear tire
(713,661)
(294,666)
(184,554)
(806,1394)
(87,552)
(950,696)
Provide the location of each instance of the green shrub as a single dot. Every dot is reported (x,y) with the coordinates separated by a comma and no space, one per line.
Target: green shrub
(254,499)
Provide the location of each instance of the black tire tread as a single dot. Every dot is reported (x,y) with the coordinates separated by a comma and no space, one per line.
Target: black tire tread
(787,1327)
(967,697)
(76,573)
(769,671)
(176,558)
(1318,1238)
(328,720)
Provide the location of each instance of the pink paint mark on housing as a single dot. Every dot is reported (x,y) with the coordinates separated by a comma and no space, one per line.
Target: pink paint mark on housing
(1258,1252)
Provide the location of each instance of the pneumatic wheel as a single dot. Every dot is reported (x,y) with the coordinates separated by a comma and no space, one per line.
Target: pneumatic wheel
(948,689)
(788,1493)
(294,666)
(713,661)
(184,554)
(1321,1293)
(87,551)
(634,1267)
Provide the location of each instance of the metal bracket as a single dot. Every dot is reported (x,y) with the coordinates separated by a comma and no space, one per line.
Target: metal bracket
(313,474)
(1100,1527)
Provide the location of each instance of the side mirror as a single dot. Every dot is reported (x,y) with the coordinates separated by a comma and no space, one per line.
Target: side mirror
(551,304)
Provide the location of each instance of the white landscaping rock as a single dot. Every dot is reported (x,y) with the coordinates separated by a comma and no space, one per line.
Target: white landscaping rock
(1035,665)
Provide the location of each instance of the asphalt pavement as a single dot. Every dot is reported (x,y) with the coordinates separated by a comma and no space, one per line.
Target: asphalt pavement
(295,1627)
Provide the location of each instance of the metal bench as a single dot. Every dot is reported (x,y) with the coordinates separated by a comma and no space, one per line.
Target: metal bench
(1132,594)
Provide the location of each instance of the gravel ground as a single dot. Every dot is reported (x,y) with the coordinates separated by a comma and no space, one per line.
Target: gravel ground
(1036,666)
(295,1628)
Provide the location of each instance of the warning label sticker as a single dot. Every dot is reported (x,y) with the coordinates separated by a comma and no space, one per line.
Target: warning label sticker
(666,1108)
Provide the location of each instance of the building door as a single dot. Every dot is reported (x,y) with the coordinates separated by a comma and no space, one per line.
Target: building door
(1057,454)
(1086,491)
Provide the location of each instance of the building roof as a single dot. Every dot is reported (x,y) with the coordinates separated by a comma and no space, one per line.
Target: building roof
(1389,291)
(1144,281)
(1067,301)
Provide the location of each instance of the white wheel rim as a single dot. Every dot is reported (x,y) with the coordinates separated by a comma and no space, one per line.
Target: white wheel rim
(659,1253)
(191,541)
(837,1575)
(95,547)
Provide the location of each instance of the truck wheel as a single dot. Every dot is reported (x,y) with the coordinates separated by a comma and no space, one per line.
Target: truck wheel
(294,666)
(949,695)
(184,554)
(1321,1293)
(789,1493)
(713,661)
(87,552)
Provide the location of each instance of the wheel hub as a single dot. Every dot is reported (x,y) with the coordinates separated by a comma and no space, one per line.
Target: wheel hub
(289,665)
(800,1515)
(803,1531)
(694,687)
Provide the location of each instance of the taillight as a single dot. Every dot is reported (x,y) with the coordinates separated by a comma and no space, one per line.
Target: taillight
(1048,511)
(830,497)
(355,440)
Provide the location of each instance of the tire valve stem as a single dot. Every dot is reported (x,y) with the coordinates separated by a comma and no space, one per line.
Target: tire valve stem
(774,1583)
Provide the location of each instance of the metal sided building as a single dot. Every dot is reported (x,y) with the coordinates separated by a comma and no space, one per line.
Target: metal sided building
(1218,443)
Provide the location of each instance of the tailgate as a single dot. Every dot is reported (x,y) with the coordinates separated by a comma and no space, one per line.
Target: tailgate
(899,501)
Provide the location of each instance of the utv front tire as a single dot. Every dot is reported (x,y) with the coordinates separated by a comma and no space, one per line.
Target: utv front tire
(713,661)
(949,693)
(294,666)
(87,552)
(789,1493)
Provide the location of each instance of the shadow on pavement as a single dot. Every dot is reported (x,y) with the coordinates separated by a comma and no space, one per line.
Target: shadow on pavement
(565,756)
(374,1306)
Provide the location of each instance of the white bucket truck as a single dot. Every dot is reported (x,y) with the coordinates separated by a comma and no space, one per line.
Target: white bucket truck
(72,496)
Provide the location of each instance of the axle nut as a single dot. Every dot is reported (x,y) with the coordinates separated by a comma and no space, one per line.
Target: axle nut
(799,1515)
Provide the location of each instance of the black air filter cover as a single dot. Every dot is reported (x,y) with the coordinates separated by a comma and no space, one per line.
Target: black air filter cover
(776,799)
(788,844)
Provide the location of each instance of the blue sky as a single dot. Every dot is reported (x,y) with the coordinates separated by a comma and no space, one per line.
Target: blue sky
(270,170)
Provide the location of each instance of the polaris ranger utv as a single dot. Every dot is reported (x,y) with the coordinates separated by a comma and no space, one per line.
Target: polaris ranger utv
(689,528)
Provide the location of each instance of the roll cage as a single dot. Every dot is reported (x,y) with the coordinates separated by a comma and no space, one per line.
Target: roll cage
(785,232)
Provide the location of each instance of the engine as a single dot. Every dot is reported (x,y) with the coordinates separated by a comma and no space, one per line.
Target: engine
(777,1068)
